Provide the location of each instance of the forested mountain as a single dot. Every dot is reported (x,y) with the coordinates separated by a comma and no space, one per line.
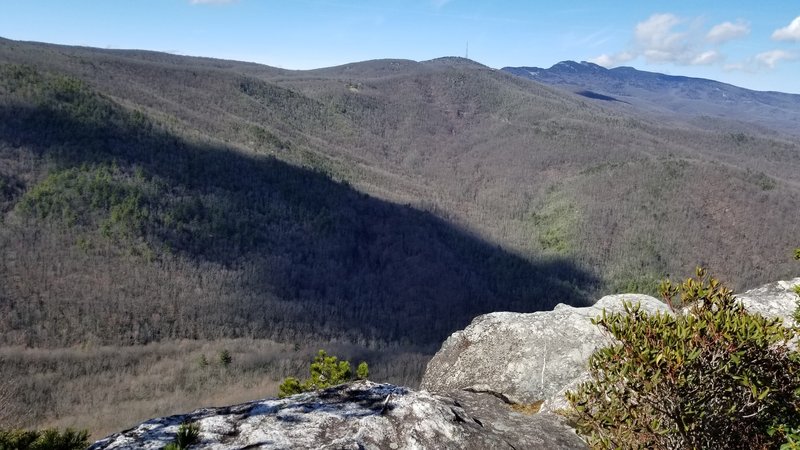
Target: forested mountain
(271,249)
(375,206)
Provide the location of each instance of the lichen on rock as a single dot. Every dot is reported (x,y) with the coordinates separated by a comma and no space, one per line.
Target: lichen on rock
(357,416)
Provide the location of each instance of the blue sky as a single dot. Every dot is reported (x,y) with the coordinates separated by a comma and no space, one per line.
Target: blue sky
(743,42)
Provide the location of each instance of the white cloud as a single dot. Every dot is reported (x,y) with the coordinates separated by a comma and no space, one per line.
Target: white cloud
(728,31)
(440,3)
(657,39)
(617,59)
(664,38)
(773,57)
(790,32)
(705,58)
(211,2)
(604,60)
(657,30)
(762,61)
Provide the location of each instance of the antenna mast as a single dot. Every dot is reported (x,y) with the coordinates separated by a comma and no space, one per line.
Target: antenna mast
(467,55)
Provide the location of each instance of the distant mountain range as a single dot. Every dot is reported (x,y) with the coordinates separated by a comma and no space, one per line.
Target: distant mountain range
(668,95)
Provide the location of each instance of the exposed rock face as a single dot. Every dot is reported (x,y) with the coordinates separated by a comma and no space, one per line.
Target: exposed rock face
(539,356)
(356,416)
(526,357)
(773,300)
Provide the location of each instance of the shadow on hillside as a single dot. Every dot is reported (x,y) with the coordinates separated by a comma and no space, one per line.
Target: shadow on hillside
(321,258)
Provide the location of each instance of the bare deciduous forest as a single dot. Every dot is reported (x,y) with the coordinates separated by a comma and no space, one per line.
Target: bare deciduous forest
(159,209)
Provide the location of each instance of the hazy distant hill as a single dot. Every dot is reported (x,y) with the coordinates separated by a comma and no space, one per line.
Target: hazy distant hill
(374,206)
(683,99)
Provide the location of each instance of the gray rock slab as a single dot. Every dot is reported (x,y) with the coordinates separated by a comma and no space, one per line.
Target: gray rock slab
(357,416)
(773,300)
(525,357)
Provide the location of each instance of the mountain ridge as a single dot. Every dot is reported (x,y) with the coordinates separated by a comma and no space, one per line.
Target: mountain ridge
(663,94)
(619,72)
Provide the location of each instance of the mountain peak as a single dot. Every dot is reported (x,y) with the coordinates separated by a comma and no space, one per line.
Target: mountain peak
(577,67)
(455,61)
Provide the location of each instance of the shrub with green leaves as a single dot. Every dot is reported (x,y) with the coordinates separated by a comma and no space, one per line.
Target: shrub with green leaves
(188,434)
(710,376)
(325,371)
(49,439)
(362,371)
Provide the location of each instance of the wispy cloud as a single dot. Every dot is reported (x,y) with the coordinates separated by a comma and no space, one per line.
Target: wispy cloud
(773,57)
(590,38)
(616,59)
(763,61)
(790,32)
(728,31)
(706,58)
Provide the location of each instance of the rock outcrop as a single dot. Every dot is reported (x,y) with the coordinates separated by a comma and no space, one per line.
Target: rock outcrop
(525,357)
(538,356)
(359,416)
(773,300)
